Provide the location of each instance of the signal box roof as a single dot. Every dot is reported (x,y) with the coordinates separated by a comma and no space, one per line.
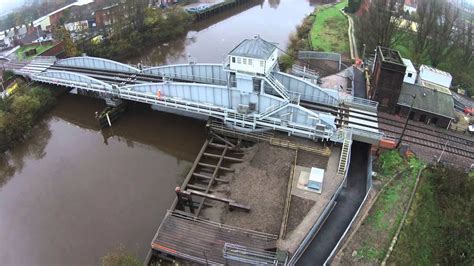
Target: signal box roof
(254,48)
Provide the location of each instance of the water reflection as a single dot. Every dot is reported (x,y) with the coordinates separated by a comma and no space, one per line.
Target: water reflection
(13,161)
(172,134)
(209,40)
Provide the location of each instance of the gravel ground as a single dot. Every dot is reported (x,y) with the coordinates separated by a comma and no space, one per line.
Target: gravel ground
(261,182)
(299,208)
(309,159)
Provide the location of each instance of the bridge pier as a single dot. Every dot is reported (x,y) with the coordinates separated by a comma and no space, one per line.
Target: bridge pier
(110,113)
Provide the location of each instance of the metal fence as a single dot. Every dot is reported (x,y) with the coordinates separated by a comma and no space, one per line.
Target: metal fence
(313,55)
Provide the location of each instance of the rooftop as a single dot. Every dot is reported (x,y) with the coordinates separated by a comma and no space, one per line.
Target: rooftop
(254,48)
(427,99)
(77,3)
(435,86)
(390,55)
(409,64)
(434,70)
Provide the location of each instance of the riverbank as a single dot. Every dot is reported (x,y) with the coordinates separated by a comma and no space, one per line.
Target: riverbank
(20,111)
(157,26)
(326,30)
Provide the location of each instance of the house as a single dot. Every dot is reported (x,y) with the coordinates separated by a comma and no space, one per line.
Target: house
(430,106)
(253,56)
(410,6)
(107,15)
(52,19)
(397,86)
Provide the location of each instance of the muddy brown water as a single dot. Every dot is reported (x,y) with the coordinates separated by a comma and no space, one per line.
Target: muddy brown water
(71,193)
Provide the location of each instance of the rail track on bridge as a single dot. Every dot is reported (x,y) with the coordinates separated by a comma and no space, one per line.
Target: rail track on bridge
(415,134)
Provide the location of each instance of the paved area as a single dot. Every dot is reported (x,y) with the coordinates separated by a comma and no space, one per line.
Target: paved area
(347,204)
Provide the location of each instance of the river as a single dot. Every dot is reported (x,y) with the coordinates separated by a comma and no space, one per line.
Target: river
(71,192)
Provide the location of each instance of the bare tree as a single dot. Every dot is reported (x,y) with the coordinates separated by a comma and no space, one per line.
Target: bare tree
(444,33)
(426,16)
(465,40)
(380,23)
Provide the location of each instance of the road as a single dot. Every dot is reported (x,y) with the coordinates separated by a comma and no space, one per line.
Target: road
(347,204)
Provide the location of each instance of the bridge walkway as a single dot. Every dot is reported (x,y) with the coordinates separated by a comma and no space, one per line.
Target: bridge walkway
(203,241)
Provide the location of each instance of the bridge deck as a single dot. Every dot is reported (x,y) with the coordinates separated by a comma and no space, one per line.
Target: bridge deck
(203,241)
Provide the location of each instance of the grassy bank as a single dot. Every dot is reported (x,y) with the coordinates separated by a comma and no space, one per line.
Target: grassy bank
(397,175)
(19,112)
(439,228)
(329,30)
(20,53)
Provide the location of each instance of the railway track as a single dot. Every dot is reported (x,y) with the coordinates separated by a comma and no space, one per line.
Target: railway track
(429,130)
(414,134)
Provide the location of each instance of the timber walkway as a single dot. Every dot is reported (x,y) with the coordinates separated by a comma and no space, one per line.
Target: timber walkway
(203,241)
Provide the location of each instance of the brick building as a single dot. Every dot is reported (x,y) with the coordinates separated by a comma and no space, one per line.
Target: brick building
(387,78)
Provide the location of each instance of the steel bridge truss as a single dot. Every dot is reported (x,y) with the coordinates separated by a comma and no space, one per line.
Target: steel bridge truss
(210,100)
(206,89)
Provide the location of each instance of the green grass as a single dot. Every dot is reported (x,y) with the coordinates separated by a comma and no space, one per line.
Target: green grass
(370,253)
(439,228)
(386,214)
(422,222)
(329,31)
(39,49)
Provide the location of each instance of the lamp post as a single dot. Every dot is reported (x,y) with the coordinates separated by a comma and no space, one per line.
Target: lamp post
(406,122)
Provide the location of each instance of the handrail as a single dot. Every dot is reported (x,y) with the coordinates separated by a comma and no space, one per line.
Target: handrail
(348,99)
(189,77)
(272,109)
(277,85)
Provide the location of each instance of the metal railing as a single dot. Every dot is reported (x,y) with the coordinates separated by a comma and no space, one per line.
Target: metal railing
(273,109)
(249,255)
(367,134)
(304,72)
(360,102)
(345,153)
(280,89)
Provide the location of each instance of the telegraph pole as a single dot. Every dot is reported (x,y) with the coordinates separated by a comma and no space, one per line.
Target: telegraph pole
(406,122)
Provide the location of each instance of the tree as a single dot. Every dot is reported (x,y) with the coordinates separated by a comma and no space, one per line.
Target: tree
(353,5)
(425,17)
(63,35)
(443,37)
(380,23)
